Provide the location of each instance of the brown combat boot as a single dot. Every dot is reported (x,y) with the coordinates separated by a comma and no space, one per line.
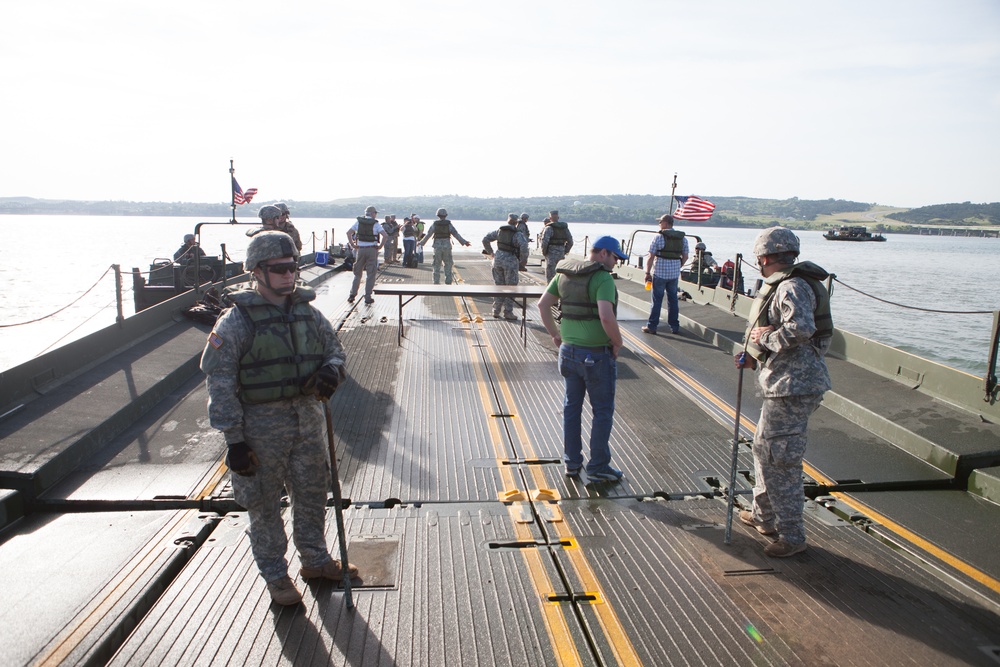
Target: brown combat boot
(283,592)
(782,549)
(330,570)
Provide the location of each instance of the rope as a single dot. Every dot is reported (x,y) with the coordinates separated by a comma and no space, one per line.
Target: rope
(901,305)
(45,317)
(926,310)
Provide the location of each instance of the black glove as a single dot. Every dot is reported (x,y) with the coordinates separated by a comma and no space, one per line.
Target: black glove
(241,459)
(325,380)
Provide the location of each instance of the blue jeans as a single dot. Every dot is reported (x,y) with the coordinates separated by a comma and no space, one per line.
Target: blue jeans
(661,285)
(408,249)
(588,370)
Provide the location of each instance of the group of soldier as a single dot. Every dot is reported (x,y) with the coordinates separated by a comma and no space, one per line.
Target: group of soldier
(273,359)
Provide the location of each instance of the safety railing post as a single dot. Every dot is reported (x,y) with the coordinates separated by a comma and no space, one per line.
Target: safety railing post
(118,294)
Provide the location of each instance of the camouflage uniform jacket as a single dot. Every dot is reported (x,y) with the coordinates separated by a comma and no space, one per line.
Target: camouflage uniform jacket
(228,343)
(795,365)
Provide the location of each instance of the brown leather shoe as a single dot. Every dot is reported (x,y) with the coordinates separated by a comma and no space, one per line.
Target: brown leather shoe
(782,549)
(283,592)
(746,516)
(648,330)
(330,570)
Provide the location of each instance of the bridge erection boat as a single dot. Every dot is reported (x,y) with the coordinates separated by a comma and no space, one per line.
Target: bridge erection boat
(122,544)
(852,234)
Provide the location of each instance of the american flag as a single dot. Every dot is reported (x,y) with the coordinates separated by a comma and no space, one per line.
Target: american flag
(240,197)
(693,209)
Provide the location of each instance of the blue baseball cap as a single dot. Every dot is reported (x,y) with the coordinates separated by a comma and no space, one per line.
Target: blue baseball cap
(610,243)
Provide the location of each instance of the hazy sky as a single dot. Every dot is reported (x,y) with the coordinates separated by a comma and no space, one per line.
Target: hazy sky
(889,101)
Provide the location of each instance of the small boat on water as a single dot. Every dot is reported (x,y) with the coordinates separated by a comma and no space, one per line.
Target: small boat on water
(852,234)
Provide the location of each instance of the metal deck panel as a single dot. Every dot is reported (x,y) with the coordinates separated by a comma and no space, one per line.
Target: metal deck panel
(411,422)
(75,585)
(963,525)
(686,598)
(455,601)
(838,448)
(171,452)
(50,435)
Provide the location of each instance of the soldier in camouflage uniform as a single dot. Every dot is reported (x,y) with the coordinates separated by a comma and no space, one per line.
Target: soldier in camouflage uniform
(441,231)
(788,335)
(557,241)
(510,257)
(267,360)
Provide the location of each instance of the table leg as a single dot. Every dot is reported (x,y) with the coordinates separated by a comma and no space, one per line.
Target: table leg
(399,333)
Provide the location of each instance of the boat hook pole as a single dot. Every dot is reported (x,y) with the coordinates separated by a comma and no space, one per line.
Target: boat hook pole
(338,503)
(731,500)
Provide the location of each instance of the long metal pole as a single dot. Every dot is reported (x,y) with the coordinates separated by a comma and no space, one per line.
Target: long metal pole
(232,188)
(673,191)
(731,501)
(338,509)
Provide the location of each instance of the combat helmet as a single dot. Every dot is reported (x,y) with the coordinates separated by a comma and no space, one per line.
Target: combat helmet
(442,213)
(775,240)
(281,206)
(700,246)
(269,213)
(269,245)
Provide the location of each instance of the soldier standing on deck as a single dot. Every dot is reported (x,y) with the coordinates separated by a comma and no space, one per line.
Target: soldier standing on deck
(557,241)
(441,231)
(511,254)
(788,335)
(266,361)
(285,225)
(366,236)
(522,226)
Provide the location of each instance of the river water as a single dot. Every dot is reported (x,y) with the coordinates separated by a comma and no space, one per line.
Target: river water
(47,262)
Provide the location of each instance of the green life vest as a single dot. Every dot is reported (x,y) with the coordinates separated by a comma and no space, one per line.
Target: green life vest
(505,240)
(560,234)
(366,230)
(673,244)
(574,289)
(441,229)
(286,348)
(822,316)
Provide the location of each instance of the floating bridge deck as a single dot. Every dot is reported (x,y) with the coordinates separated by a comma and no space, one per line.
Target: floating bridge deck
(123,546)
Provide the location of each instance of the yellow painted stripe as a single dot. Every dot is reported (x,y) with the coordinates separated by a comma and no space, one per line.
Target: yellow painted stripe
(621,645)
(554,615)
(556,625)
(969,570)
(114,592)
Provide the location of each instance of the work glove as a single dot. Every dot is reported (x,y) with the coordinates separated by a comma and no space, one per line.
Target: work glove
(324,382)
(241,459)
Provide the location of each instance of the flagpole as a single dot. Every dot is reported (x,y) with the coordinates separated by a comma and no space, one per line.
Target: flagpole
(232,188)
(673,189)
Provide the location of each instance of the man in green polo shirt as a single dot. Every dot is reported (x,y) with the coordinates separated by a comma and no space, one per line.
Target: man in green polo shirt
(589,340)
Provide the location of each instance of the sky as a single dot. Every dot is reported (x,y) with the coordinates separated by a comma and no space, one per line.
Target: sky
(894,102)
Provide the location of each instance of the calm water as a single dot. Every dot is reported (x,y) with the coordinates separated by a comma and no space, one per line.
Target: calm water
(47,262)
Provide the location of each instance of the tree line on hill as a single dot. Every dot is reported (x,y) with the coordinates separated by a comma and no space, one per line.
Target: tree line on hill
(621,208)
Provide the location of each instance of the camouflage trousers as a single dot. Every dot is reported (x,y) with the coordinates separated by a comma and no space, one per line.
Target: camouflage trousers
(289,439)
(442,255)
(553,257)
(504,273)
(778,448)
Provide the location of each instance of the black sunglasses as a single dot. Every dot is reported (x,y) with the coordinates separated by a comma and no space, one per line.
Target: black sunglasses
(286,267)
